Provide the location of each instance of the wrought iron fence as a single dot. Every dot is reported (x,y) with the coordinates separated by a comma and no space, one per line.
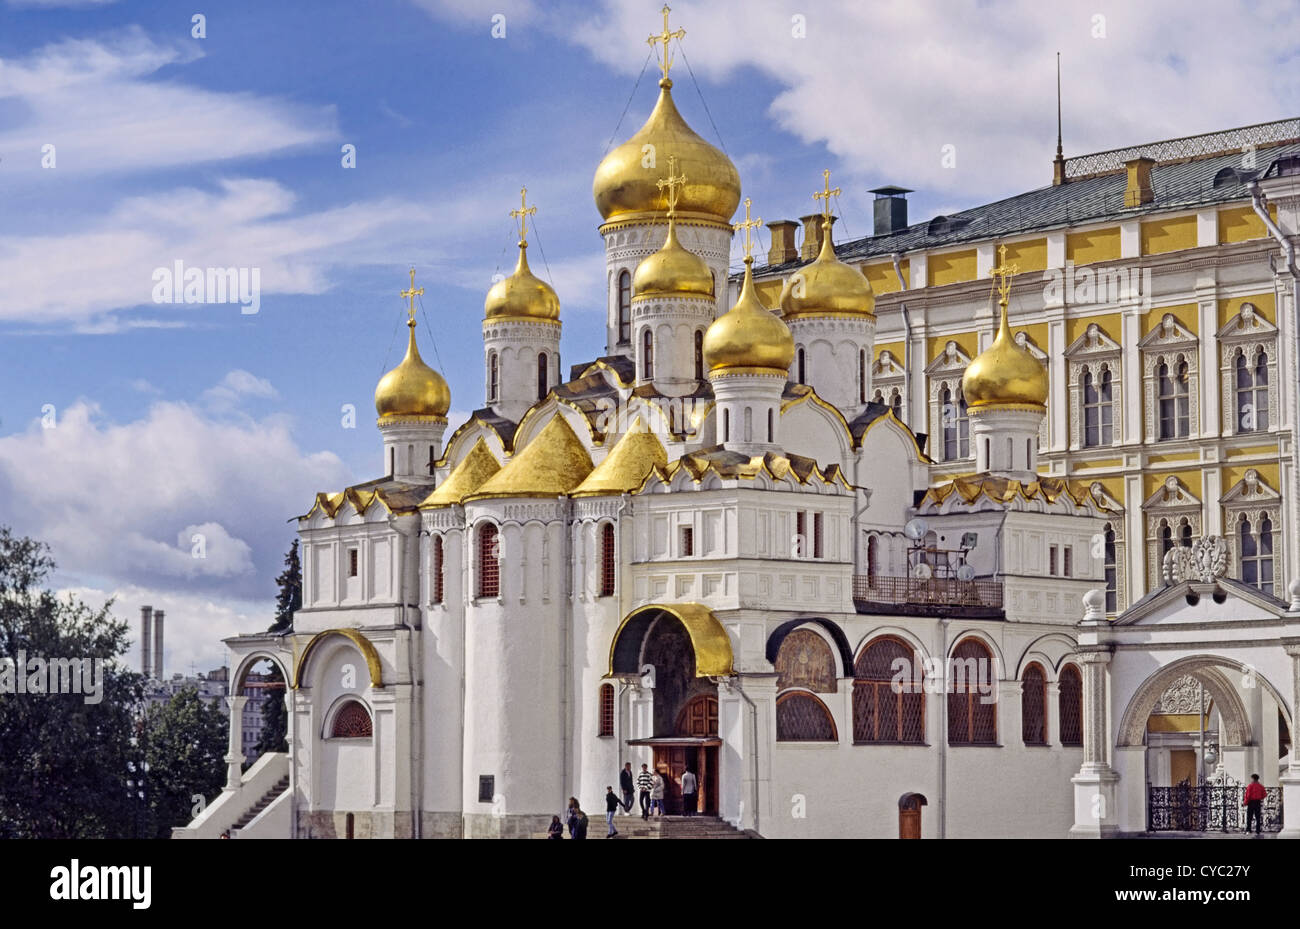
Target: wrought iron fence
(1210,806)
(937,591)
(1209,143)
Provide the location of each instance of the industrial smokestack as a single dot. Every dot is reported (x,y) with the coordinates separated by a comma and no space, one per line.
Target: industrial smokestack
(158,644)
(145,639)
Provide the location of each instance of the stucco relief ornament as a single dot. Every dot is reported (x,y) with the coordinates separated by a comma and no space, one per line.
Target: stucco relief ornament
(1205,561)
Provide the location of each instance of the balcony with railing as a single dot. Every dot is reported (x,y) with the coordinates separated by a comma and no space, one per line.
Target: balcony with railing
(927,596)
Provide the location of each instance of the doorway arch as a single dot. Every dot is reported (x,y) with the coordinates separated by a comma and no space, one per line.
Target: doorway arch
(909,815)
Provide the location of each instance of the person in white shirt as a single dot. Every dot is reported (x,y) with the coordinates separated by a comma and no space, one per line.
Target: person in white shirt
(690,793)
(657,794)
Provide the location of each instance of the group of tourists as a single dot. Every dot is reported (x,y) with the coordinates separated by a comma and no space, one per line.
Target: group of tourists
(649,785)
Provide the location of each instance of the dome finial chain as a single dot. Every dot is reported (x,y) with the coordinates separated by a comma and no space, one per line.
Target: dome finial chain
(674,183)
(747,225)
(411,295)
(825,194)
(522,214)
(665,37)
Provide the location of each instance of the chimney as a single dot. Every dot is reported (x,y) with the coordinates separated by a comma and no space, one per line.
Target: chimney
(890,209)
(812,235)
(783,248)
(145,644)
(158,644)
(1138,190)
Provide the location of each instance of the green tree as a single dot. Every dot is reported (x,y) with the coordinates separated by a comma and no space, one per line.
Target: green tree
(184,744)
(275,719)
(289,597)
(64,762)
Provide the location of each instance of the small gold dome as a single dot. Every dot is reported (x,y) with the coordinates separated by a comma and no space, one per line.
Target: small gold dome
(672,271)
(522,295)
(625,186)
(827,285)
(749,335)
(412,388)
(1004,375)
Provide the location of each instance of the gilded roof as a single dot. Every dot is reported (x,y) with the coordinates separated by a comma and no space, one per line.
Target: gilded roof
(394,496)
(748,335)
(468,476)
(1005,375)
(412,388)
(730,465)
(522,295)
(827,286)
(627,465)
(551,465)
(1009,490)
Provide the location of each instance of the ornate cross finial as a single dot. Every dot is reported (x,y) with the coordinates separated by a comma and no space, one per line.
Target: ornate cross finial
(523,213)
(673,183)
(665,37)
(1003,273)
(825,194)
(411,295)
(747,225)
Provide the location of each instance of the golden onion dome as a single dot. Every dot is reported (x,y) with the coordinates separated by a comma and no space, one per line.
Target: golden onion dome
(1004,375)
(827,285)
(522,295)
(625,186)
(412,388)
(672,271)
(748,335)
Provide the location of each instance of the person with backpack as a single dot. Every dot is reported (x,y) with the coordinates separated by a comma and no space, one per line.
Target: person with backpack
(612,805)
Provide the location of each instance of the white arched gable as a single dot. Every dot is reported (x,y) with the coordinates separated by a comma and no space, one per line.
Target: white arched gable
(815,430)
(535,421)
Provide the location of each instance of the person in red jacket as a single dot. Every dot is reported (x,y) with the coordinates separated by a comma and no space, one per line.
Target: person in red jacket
(1254,802)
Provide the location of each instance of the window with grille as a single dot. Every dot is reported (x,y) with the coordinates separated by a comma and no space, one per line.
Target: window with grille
(542,386)
(687,541)
(956,424)
(1256,552)
(817,535)
(801,534)
(607,570)
(489,563)
(606,710)
(437,569)
(624,307)
(886,710)
(352,721)
(1067,561)
(1033,706)
(1098,409)
(647,355)
(493,377)
(1051,560)
(972,696)
(801,717)
(1252,393)
(1071,706)
(352,562)
(1175,411)
(1111,567)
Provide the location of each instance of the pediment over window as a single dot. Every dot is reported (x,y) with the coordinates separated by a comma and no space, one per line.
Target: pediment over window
(951,360)
(1250,491)
(887,366)
(1104,498)
(1093,343)
(1169,333)
(1246,325)
(1171,496)
(1023,340)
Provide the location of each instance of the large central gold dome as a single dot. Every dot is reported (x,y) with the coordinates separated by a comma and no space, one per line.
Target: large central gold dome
(626,184)
(1004,375)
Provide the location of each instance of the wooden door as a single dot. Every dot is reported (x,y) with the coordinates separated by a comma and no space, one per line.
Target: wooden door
(670,762)
(699,717)
(909,824)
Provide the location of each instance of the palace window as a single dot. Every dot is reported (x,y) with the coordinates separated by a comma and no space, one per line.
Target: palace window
(1251,392)
(494,377)
(647,355)
(607,560)
(1098,409)
(1070,699)
(888,706)
(1033,706)
(489,561)
(606,710)
(437,570)
(972,696)
(542,387)
(956,424)
(624,307)
(1110,566)
(801,717)
(352,721)
(1173,383)
(1256,546)
(699,355)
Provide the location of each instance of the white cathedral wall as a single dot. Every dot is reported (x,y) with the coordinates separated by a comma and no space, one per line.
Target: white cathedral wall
(832,360)
(443,654)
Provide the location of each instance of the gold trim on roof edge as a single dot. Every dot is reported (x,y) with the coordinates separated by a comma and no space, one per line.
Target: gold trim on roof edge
(364,645)
(709,640)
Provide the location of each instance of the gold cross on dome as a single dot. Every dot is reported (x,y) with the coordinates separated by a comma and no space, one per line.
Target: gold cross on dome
(665,37)
(674,184)
(1003,273)
(825,194)
(747,225)
(523,213)
(411,295)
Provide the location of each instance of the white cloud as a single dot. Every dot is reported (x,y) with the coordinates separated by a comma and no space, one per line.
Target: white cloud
(235,386)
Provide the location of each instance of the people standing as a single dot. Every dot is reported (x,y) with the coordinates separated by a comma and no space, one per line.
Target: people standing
(1254,802)
(657,793)
(644,784)
(571,817)
(627,784)
(556,830)
(612,803)
(690,792)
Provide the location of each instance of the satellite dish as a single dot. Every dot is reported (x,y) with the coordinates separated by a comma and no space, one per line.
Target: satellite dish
(916,529)
(922,572)
(966,573)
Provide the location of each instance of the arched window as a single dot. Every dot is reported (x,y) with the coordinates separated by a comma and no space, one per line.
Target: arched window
(862,375)
(802,368)
(1257,552)
(1111,567)
(647,355)
(542,386)
(494,377)
(489,561)
(606,710)
(624,307)
(437,570)
(1071,706)
(1166,536)
(749,424)
(726,425)
(699,355)
(888,694)
(769,426)
(896,404)
(972,695)
(956,424)
(1252,393)
(801,717)
(1098,410)
(1173,386)
(1033,706)
(1185,535)
(352,721)
(607,570)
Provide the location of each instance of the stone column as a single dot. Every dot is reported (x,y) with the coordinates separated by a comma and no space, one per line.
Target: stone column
(1053,712)
(234,754)
(1095,786)
(1290,781)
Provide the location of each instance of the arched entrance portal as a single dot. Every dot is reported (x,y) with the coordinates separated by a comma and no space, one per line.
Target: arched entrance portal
(909,815)
(678,652)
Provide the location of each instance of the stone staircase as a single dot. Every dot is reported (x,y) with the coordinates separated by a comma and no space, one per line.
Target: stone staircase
(663,827)
(280,787)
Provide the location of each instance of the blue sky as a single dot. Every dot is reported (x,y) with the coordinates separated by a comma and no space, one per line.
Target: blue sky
(225,150)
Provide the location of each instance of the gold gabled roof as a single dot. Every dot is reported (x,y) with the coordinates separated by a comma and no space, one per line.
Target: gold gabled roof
(468,476)
(627,465)
(551,465)
(1007,490)
(735,466)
